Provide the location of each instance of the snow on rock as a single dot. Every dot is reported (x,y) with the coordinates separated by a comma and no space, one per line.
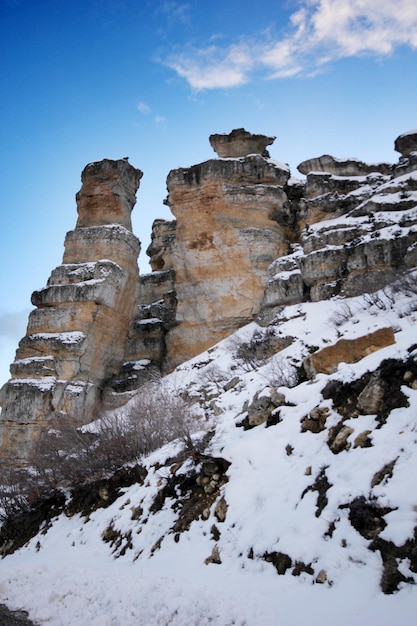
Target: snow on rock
(265,521)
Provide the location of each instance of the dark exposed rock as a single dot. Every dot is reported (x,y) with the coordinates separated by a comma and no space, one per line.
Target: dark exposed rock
(282,562)
(341,167)
(406,143)
(367,517)
(14,618)
(321,485)
(240,143)
(390,378)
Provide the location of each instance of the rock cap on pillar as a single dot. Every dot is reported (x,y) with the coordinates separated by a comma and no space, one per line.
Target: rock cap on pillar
(406,143)
(240,143)
(110,184)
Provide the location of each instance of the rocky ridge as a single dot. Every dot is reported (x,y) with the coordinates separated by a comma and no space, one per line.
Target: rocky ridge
(247,241)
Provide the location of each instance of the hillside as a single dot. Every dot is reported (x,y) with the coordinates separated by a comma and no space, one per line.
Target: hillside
(309,515)
(238,445)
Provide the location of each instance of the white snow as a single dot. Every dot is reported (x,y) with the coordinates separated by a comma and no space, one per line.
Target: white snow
(68,576)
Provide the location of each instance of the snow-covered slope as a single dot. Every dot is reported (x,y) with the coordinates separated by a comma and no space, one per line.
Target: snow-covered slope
(310,516)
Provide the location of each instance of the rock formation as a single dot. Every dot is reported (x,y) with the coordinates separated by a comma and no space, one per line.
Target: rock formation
(227,235)
(240,143)
(77,335)
(246,240)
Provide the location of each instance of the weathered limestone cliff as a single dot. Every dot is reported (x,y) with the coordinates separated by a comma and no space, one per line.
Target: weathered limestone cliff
(227,234)
(246,240)
(77,335)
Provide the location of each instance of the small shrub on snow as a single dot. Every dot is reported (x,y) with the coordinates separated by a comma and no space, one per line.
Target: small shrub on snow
(67,454)
(18,492)
(343,314)
(253,353)
(280,373)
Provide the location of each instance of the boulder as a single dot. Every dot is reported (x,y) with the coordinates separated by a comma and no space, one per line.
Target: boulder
(341,167)
(406,143)
(327,360)
(240,143)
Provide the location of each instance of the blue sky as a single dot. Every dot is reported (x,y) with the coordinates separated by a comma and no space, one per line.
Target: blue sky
(81,80)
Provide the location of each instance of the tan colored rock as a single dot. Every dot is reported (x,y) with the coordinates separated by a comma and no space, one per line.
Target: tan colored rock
(111,184)
(220,510)
(340,442)
(162,241)
(341,167)
(77,336)
(362,440)
(240,143)
(371,398)
(321,577)
(326,361)
(227,236)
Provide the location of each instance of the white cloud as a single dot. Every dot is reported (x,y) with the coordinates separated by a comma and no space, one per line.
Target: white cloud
(214,67)
(178,11)
(143,108)
(320,31)
(159,119)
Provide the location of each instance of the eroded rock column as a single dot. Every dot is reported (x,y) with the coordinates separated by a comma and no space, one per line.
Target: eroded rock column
(227,234)
(76,336)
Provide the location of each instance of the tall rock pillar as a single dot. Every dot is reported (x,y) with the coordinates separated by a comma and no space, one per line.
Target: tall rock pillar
(228,232)
(76,336)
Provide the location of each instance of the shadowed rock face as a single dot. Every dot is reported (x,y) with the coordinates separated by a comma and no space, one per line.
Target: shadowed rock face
(77,334)
(240,143)
(341,167)
(406,143)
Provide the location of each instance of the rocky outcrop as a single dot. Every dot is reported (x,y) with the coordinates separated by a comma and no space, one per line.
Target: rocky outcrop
(246,240)
(77,335)
(357,234)
(326,361)
(227,234)
(406,143)
(240,143)
(342,167)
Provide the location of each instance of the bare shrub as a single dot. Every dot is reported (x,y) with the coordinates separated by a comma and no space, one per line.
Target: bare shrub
(159,415)
(68,454)
(381,300)
(406,284)
(280,373)
(253,353)
(18,491)
(343,314)
(214,376)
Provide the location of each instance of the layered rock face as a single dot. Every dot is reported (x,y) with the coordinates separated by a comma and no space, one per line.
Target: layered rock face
(246,240)
(358,230)
(77,335)
(240,143)
(227,234)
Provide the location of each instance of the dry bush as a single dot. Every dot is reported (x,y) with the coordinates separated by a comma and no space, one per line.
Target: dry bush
(343,314)
(19,491)
(214,376)
(67,454)
(280,373)
(253,353)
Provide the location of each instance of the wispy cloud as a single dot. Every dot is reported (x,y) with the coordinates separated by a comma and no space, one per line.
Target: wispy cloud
(214,67)
(178,11)
(319,32)
(143,108)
